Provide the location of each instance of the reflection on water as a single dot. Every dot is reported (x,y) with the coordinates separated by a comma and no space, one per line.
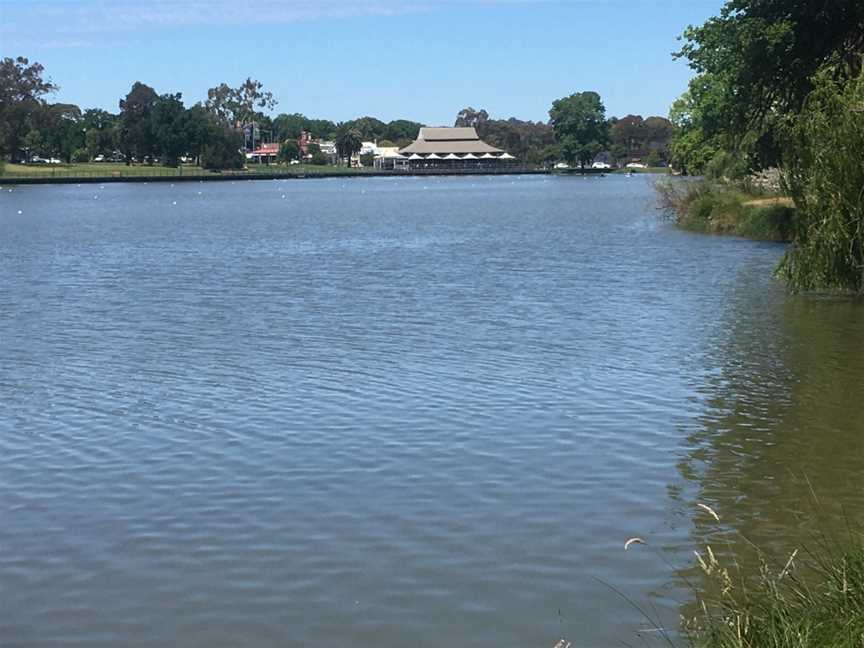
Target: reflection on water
(779,453)
(380,412)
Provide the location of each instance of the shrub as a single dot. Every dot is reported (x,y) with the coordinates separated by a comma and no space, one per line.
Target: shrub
(80,155)
(825,177)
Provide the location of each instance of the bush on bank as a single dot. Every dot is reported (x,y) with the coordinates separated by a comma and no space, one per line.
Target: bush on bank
(716,207)
(813,600)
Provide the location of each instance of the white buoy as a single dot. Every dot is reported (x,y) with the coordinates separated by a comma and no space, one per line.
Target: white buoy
(95,197)
(174,202)
(199,193)
(20,212)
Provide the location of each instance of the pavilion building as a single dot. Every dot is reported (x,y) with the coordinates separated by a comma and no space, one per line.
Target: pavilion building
(451,148)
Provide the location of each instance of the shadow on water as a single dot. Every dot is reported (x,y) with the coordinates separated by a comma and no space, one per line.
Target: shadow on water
(780,449)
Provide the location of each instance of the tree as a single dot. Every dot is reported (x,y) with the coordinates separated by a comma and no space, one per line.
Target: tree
(100,128)
(22,89)
(755,62)
(62,130)
(136,136)
(222,150)
(169,128)
(579,124)
(348,142)
(471,118)
(289,151)
(402,131)
(825,176)
(237,106)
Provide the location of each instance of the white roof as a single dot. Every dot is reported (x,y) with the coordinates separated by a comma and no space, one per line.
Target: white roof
(435,156)
(452,156)
(507,156)
(470,156)
(487,156)
(414,156)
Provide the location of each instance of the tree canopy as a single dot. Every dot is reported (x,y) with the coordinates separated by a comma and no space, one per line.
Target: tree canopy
(580,127)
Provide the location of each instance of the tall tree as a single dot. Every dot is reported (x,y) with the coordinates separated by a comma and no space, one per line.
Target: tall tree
(136,137)
(755,62)
(579,123)
(348,142)
(22,88)
(169,127)
(239,106)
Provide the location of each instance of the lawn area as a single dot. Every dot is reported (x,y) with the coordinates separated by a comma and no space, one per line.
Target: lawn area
(119,169)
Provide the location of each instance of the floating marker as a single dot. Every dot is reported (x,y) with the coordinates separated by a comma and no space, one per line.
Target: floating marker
(20,212)
(173,202)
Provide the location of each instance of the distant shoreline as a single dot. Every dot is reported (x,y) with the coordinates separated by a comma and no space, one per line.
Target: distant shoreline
(287,175)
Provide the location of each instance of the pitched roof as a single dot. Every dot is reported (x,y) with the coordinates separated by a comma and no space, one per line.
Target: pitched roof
(449,140)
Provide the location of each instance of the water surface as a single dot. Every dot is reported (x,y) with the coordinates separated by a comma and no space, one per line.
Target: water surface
(380,412)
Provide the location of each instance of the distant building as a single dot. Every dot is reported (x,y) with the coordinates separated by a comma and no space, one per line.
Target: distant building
(451,148)
(265,153)
(387,157)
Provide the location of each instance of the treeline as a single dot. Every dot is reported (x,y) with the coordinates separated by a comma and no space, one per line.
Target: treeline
(159,128)
(583,132)
(779,84)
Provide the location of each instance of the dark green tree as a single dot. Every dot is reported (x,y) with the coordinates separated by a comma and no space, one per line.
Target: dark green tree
(289,151)
(348,142)
(22,88)
(579,124)
(223,149)
(170,128)
(755,62)
(136,137)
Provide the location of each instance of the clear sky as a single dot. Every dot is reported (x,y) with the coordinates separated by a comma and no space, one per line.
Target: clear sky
(415,59)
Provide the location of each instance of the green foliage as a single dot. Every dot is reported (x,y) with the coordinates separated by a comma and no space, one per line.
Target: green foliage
(634,137)
(289,150)
(136,136)
(725,165)
(22,89)
(222,150)
(754,63)
(367,159)
(80,155)
(233,106)
(717,208)
(318,158)
(580,127)
(169,128)
(811,600)
(825,176)
(653,159)
(348,142)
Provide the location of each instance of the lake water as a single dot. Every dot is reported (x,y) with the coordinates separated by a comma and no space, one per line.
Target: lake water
(389,412)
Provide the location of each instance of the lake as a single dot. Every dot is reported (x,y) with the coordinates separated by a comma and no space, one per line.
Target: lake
(398,411)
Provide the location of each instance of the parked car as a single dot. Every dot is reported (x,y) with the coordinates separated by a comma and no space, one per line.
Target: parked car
(637,165)
(601,165)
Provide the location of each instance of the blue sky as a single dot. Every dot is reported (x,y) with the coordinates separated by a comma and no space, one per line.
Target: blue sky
(415,59)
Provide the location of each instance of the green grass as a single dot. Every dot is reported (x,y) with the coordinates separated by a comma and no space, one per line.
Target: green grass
(811,600)
(718,208)
(118,169)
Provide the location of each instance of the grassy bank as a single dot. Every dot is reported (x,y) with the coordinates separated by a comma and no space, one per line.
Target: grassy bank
(810,600)
(714,207)
(118,169)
